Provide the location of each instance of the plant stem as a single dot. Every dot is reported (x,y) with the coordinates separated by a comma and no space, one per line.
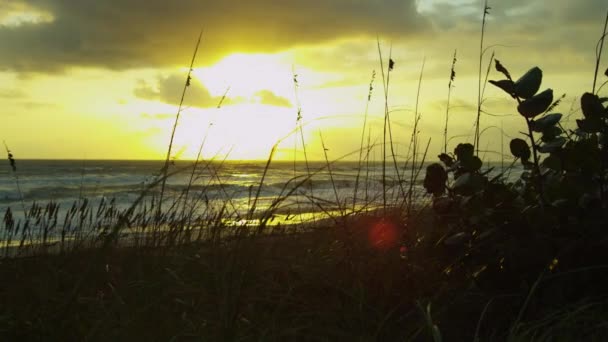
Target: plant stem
(384,131)
(387,127)
(259,190)
(447,108)
(481,52)
(539,177)
(598,52)
(392,145)
(16,177)
(598,55)
(198,159)
(369,98)
(300,128)
(331,176)
(414,139)
(502,147)
(179,109)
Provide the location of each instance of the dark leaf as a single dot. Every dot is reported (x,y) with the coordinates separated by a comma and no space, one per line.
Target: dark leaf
(536,105)
(606,72)
(552,146)
(550,133)
(446,159)
(591,105)
(435,179)
(528,85)
(590,125)
(506,85)
(391,64)
(500,68)
(520,149)
(545,122)
(472,163)
(552,162)
(464,151)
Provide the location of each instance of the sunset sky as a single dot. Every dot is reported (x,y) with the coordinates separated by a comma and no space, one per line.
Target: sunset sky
(89,79)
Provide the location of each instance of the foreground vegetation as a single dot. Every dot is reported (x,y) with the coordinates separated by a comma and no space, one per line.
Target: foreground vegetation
(489,259)
(321,285)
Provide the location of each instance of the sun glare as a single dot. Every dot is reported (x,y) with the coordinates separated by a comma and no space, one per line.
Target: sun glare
(247,74)
(245,132)
(259,110)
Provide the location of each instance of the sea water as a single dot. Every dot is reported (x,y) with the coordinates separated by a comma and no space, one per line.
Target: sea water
(246,188)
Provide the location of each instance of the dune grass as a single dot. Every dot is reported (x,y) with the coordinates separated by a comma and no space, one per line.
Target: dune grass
(175,266)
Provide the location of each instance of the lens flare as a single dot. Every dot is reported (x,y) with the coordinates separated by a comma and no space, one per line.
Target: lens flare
(383,234)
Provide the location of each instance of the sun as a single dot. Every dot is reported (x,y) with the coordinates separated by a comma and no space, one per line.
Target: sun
(239,132)
(259,112)
(245,74)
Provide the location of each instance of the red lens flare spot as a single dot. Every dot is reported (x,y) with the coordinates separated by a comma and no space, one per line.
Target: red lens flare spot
(383,234)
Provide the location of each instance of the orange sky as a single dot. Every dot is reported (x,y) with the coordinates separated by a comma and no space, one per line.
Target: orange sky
(102,80)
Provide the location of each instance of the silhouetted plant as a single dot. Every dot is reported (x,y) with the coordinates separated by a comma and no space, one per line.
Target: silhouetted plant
(369,98)
(447,109)
(13,164)
(387,128)
(465,166)
(480,84)
(465,202)
(165,168)
(573,165)
(531,104)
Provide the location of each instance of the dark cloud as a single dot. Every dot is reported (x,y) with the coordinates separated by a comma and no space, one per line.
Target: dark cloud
(532,18)
(267,97)
(168,89)
(123,34)
(559,36)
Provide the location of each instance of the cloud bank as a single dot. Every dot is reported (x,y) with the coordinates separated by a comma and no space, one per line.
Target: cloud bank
(123,34)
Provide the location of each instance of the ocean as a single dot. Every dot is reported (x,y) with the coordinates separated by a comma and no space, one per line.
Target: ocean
(234,187)
(66,181)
